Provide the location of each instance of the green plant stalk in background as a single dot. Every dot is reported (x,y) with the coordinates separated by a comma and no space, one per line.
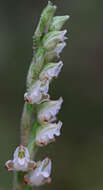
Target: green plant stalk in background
(39,111)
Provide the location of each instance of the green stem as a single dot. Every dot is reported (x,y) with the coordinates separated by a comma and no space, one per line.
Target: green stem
(19,182)
(26,123)
(32,146)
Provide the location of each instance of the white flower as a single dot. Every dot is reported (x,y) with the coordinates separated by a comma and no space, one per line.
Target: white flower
(37,92)
(40,175)
(51,70)
(34,95)
(46,133)
(48,110)
(21,161)
(51,39)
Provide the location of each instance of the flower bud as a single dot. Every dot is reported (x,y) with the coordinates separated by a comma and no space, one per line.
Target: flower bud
(48,110)
(51,70)
(36,93)
(21,161)
(58,22)
(46,133)
(40,175)
(51,39)
(49,56)
(45,21)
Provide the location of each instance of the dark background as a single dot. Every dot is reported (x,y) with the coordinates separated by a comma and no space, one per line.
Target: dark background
(78,154)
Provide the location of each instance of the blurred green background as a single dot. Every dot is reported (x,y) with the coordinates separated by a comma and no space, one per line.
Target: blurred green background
(78,154)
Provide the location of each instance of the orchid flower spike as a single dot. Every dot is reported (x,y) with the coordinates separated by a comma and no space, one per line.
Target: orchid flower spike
(47,111)
(21,161)
(38,92)
(40,175)
(46,133)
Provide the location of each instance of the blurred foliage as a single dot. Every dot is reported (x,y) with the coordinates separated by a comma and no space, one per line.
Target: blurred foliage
(78,153)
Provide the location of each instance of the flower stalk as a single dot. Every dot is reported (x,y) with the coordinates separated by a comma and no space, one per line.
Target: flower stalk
(39,125)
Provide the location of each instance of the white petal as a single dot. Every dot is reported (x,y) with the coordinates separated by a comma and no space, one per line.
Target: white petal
(47,170)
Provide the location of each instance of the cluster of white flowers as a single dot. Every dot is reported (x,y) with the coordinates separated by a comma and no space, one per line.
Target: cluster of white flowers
(40,171)
(49,42)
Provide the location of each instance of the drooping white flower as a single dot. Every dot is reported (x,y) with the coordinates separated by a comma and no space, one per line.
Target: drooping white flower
(51,70)
(46,133)
(40,175)
(21,161)
(37,92)
(51,39)
(48,110)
